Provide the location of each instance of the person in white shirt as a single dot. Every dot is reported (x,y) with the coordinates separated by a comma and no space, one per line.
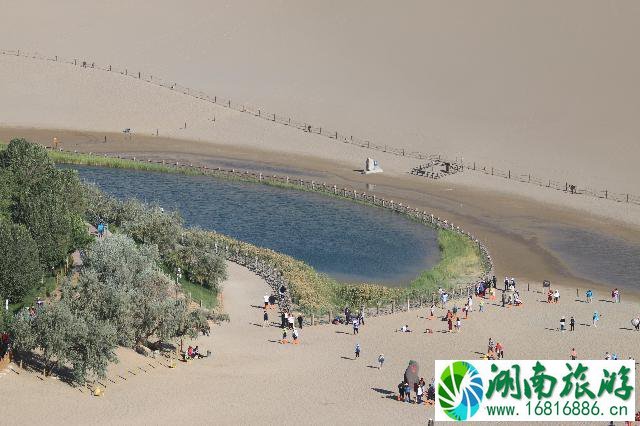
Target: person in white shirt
(266,301)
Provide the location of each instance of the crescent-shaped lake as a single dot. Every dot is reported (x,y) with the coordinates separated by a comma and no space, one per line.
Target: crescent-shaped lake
(348,241)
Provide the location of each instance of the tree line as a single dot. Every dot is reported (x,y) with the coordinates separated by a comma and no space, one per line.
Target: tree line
(121,296)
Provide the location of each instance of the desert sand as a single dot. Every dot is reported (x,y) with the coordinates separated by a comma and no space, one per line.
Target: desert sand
(546,87)
(254,379)
(538,87)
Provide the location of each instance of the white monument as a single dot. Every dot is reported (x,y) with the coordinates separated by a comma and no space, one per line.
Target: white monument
(371,166)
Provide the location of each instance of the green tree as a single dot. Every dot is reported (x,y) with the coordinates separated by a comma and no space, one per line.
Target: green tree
(195,255)
(151,225)
(23,336)
(121,284)
(20,269)
(49,202)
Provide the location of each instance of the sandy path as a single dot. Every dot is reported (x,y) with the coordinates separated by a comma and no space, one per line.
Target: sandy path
(252,379)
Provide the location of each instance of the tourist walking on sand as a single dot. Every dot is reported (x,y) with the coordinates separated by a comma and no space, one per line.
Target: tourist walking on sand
(380,361)
(596,318)
(432,310)
(470,303)
(556,296)
(481,306)
(295,336)
(265,318)
(572,323)
(401,391)
(589,296)
(419,392)
(450,323)
(458,324)
(407,392)
(499,351)
(291,321)
(283,319)
(272,301)
(356,326)
(361,316)
(300,320)
(266,301)
(562,324)
(357,350)
(574,354)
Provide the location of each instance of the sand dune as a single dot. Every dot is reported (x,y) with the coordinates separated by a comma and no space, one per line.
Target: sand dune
(544,87)
(36,94)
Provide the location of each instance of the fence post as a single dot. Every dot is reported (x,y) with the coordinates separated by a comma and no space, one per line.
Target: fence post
(377,308)
(408,304)
(492,171)
(509,174)
(138,74)
(393,306)
(627,198)
(474,165)
(313,319)
(566,187)
(529,177)
(330,316)
(606,194)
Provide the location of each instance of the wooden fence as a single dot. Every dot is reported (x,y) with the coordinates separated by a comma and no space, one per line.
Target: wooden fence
(324,131)
(268,271)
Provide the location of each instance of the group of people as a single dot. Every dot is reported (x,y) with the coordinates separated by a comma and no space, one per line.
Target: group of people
(422,392)
(494,350)
(288,322)
(553,296)
(193,353)
(615,295)
(563,324)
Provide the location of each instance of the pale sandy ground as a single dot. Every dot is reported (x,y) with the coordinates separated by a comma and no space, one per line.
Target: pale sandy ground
(543,86)
(251,379)
(42,94)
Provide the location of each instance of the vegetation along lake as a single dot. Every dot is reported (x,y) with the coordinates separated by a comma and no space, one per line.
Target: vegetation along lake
(348,241)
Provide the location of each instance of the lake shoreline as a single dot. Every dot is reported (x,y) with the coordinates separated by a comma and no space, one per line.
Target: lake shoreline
(497,218)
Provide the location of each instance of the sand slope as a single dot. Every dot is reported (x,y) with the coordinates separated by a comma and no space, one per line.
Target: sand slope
(46,94)
(539,86)
(253,379)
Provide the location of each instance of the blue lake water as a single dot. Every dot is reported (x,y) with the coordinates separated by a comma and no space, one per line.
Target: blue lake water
(348,241)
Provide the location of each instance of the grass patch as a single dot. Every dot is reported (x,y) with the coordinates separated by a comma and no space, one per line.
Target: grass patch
(198,293)
(44,290)
(460,263)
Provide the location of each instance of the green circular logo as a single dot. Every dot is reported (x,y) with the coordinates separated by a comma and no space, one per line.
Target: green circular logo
(460,390)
